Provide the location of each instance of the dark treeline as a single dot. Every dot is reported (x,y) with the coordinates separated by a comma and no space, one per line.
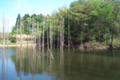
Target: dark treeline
(84,21)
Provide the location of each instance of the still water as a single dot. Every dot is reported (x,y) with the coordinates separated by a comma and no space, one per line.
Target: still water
(31,64)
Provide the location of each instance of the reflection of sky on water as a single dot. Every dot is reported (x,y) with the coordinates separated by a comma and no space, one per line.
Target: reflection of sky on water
(11,51)
(44,76)
(8,69)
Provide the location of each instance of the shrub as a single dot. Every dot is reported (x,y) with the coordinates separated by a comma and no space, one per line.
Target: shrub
(12,39)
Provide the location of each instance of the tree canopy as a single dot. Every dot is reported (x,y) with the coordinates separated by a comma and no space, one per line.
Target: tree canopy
(84,21)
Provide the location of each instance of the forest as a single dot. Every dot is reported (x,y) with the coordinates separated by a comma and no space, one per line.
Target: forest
(87,23)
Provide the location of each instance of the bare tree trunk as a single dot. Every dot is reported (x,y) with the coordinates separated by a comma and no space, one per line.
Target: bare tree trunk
(62,42)
(111,43)
(69,36)
(43,53)
(51,44)
(20,33)
(58,37)
(62,48)
(51,35)
(48,38)
(3,53)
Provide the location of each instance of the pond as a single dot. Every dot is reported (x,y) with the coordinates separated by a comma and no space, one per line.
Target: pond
(31,64)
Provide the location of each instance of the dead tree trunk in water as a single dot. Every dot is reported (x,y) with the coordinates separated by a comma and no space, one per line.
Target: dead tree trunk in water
(48,47)
(43,38)
(69,37)
(58,36)
(21,25)
(3,53)
(62,41)
(43,50)
(51,38)
(111,43)
(62,46)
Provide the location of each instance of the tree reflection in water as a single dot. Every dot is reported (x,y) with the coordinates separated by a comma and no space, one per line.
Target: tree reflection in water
(31,61)
(27,64)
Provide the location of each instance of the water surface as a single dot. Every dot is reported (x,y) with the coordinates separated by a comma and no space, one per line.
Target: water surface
(32,64)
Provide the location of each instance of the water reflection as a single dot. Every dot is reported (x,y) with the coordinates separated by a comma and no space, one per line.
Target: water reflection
(23,64)
(93,67)
(31,64)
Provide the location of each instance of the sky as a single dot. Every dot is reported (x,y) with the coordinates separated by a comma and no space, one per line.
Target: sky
(9,9)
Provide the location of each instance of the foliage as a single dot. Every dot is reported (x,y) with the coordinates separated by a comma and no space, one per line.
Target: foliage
(12,39)
(84,21)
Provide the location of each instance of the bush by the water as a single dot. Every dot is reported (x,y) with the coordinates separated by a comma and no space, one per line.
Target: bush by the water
(12,39)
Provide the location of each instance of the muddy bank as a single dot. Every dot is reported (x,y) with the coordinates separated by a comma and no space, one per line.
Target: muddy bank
(96,46)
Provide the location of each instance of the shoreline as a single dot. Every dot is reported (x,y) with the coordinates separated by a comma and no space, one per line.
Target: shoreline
(17,45)
(81,48)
